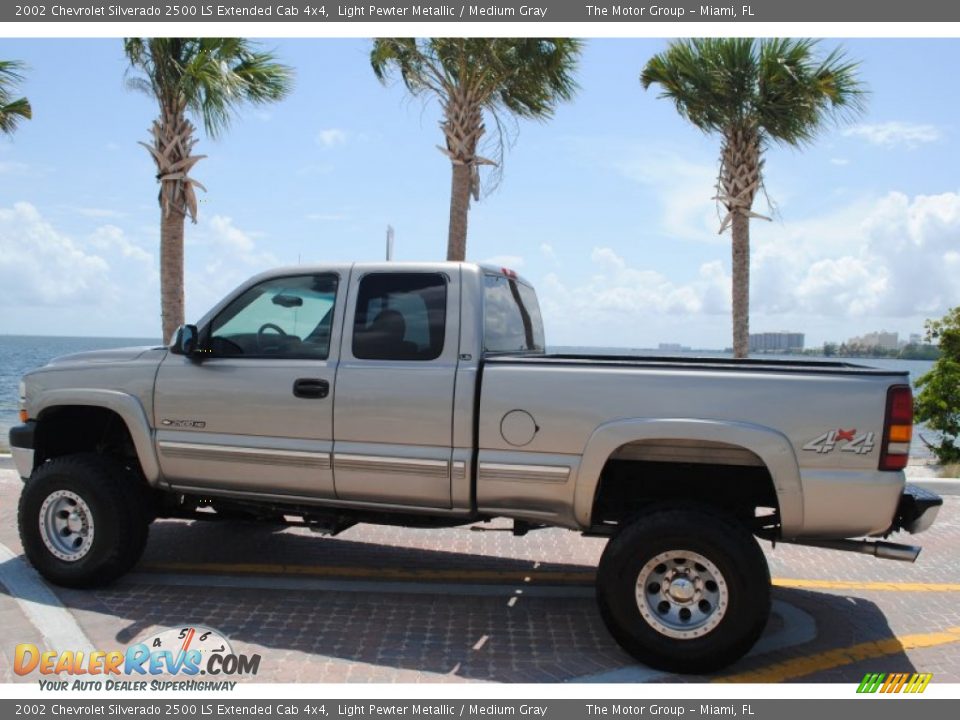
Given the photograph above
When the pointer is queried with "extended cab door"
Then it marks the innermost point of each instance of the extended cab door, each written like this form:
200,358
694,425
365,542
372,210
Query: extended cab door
393,409
256,415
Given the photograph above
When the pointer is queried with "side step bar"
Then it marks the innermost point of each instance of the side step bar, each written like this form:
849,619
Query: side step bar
878,548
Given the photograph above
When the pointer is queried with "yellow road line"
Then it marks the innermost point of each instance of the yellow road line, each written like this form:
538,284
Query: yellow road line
799,667
557,577
854,585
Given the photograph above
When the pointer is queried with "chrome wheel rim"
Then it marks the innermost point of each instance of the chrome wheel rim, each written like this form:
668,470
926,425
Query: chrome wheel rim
66,525
681,594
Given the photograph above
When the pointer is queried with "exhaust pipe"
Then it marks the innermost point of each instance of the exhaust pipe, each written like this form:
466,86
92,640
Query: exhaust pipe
878,548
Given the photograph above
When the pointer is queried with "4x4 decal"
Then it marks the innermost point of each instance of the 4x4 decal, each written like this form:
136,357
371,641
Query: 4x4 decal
860,444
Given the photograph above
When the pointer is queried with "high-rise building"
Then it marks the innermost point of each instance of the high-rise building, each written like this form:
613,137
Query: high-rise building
776,342
882,339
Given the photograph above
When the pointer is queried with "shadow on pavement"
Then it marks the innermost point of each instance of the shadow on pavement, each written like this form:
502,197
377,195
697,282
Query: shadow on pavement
313,635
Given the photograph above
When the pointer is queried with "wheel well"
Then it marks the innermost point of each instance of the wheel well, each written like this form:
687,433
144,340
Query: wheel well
726,477
71,429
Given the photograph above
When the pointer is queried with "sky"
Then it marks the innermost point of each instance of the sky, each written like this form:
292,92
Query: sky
606,208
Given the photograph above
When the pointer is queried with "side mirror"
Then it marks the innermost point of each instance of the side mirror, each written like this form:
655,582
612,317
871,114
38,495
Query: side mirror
185,342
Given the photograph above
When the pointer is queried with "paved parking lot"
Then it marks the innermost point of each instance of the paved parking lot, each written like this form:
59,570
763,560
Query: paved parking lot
473,605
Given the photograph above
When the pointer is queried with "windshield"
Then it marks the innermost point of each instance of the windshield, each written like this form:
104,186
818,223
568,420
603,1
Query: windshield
512,320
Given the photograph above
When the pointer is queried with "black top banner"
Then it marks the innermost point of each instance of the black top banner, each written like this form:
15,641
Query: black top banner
573,11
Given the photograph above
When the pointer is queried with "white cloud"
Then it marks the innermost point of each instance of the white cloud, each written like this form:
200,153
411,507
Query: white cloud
13,167
890,261
112,238
839,161
39,265
546,249
684,190
331,137
230,237
895,133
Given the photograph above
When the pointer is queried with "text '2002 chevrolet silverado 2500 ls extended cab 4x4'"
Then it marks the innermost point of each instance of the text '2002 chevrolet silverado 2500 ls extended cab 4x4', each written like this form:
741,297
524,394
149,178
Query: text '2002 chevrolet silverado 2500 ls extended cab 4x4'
421,394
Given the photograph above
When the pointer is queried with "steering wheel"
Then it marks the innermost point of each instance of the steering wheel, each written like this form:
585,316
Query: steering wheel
262,332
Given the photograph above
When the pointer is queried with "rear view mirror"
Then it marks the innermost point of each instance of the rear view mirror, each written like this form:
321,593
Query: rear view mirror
287,301
186,340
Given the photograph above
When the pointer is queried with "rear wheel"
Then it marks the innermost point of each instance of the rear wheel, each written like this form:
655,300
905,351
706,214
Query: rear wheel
684,590
83,519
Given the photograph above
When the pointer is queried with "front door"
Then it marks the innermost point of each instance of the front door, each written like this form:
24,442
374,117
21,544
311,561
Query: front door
256,415
394,398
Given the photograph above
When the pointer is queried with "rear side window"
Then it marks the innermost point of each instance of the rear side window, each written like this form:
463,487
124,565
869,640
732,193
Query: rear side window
400,316
511,316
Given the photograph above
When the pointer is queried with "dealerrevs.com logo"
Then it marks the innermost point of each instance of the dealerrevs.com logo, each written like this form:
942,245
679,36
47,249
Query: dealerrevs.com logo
185,651
894,682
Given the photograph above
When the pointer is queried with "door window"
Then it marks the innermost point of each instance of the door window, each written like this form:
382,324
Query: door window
400,316
288,317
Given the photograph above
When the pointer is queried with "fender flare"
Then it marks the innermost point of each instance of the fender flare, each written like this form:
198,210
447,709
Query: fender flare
771,446
126,406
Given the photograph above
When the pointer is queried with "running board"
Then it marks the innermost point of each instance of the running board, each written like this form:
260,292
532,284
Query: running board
879,548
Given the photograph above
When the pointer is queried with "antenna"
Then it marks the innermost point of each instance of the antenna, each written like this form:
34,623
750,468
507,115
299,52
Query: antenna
389,243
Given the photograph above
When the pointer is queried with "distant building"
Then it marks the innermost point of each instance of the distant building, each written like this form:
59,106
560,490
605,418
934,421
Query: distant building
881,339
915,339
772,342
672,347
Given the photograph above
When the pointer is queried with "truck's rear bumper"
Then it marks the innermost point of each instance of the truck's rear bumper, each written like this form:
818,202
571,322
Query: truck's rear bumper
21,447
917,509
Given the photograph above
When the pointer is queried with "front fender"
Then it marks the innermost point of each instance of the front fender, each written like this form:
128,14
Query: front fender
772,447
126,406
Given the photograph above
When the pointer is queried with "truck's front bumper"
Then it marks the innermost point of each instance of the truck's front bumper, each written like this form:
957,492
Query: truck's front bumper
917,509
21,447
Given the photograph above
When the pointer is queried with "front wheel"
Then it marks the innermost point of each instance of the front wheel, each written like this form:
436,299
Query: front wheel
684,590
83,519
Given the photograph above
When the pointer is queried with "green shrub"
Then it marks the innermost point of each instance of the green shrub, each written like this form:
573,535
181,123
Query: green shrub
938,400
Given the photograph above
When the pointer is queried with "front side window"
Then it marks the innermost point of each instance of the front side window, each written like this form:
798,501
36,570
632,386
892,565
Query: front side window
511,316
400,316
288,317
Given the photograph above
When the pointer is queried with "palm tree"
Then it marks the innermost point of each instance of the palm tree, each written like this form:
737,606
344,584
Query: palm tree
209,79
12,110
519,77
753,92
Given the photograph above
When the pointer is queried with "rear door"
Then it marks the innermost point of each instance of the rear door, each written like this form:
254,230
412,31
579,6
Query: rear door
393,409
256,415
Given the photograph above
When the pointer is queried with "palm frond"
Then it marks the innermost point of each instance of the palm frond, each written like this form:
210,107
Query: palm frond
209,77
12,109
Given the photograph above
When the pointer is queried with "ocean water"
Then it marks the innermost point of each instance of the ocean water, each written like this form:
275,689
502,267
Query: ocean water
21,353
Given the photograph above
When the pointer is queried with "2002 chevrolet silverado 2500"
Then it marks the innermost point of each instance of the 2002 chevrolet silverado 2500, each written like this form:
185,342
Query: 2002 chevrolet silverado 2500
421,395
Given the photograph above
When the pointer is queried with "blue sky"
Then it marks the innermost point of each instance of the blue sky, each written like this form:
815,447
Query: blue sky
606,208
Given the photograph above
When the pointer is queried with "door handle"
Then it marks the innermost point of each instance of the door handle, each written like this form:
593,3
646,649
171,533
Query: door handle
311,388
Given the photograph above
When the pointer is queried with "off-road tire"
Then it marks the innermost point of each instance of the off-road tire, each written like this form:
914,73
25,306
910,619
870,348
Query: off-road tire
731,550
117,499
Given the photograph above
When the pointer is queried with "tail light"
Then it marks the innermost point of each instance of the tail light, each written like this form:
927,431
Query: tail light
897,428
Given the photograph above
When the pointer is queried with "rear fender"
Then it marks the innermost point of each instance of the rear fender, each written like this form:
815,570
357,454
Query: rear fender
772,447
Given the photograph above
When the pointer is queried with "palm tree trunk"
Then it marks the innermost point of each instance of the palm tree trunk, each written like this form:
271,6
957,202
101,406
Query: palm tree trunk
741,171
740,230
171,272
459,210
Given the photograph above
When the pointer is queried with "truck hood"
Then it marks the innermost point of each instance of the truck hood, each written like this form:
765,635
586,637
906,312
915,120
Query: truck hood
103,356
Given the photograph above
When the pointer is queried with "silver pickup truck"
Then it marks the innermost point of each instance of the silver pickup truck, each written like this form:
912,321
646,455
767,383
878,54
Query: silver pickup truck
421,395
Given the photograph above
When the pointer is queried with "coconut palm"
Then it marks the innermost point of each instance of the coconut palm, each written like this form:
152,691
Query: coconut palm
753,93
208,79
502,77
12,110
